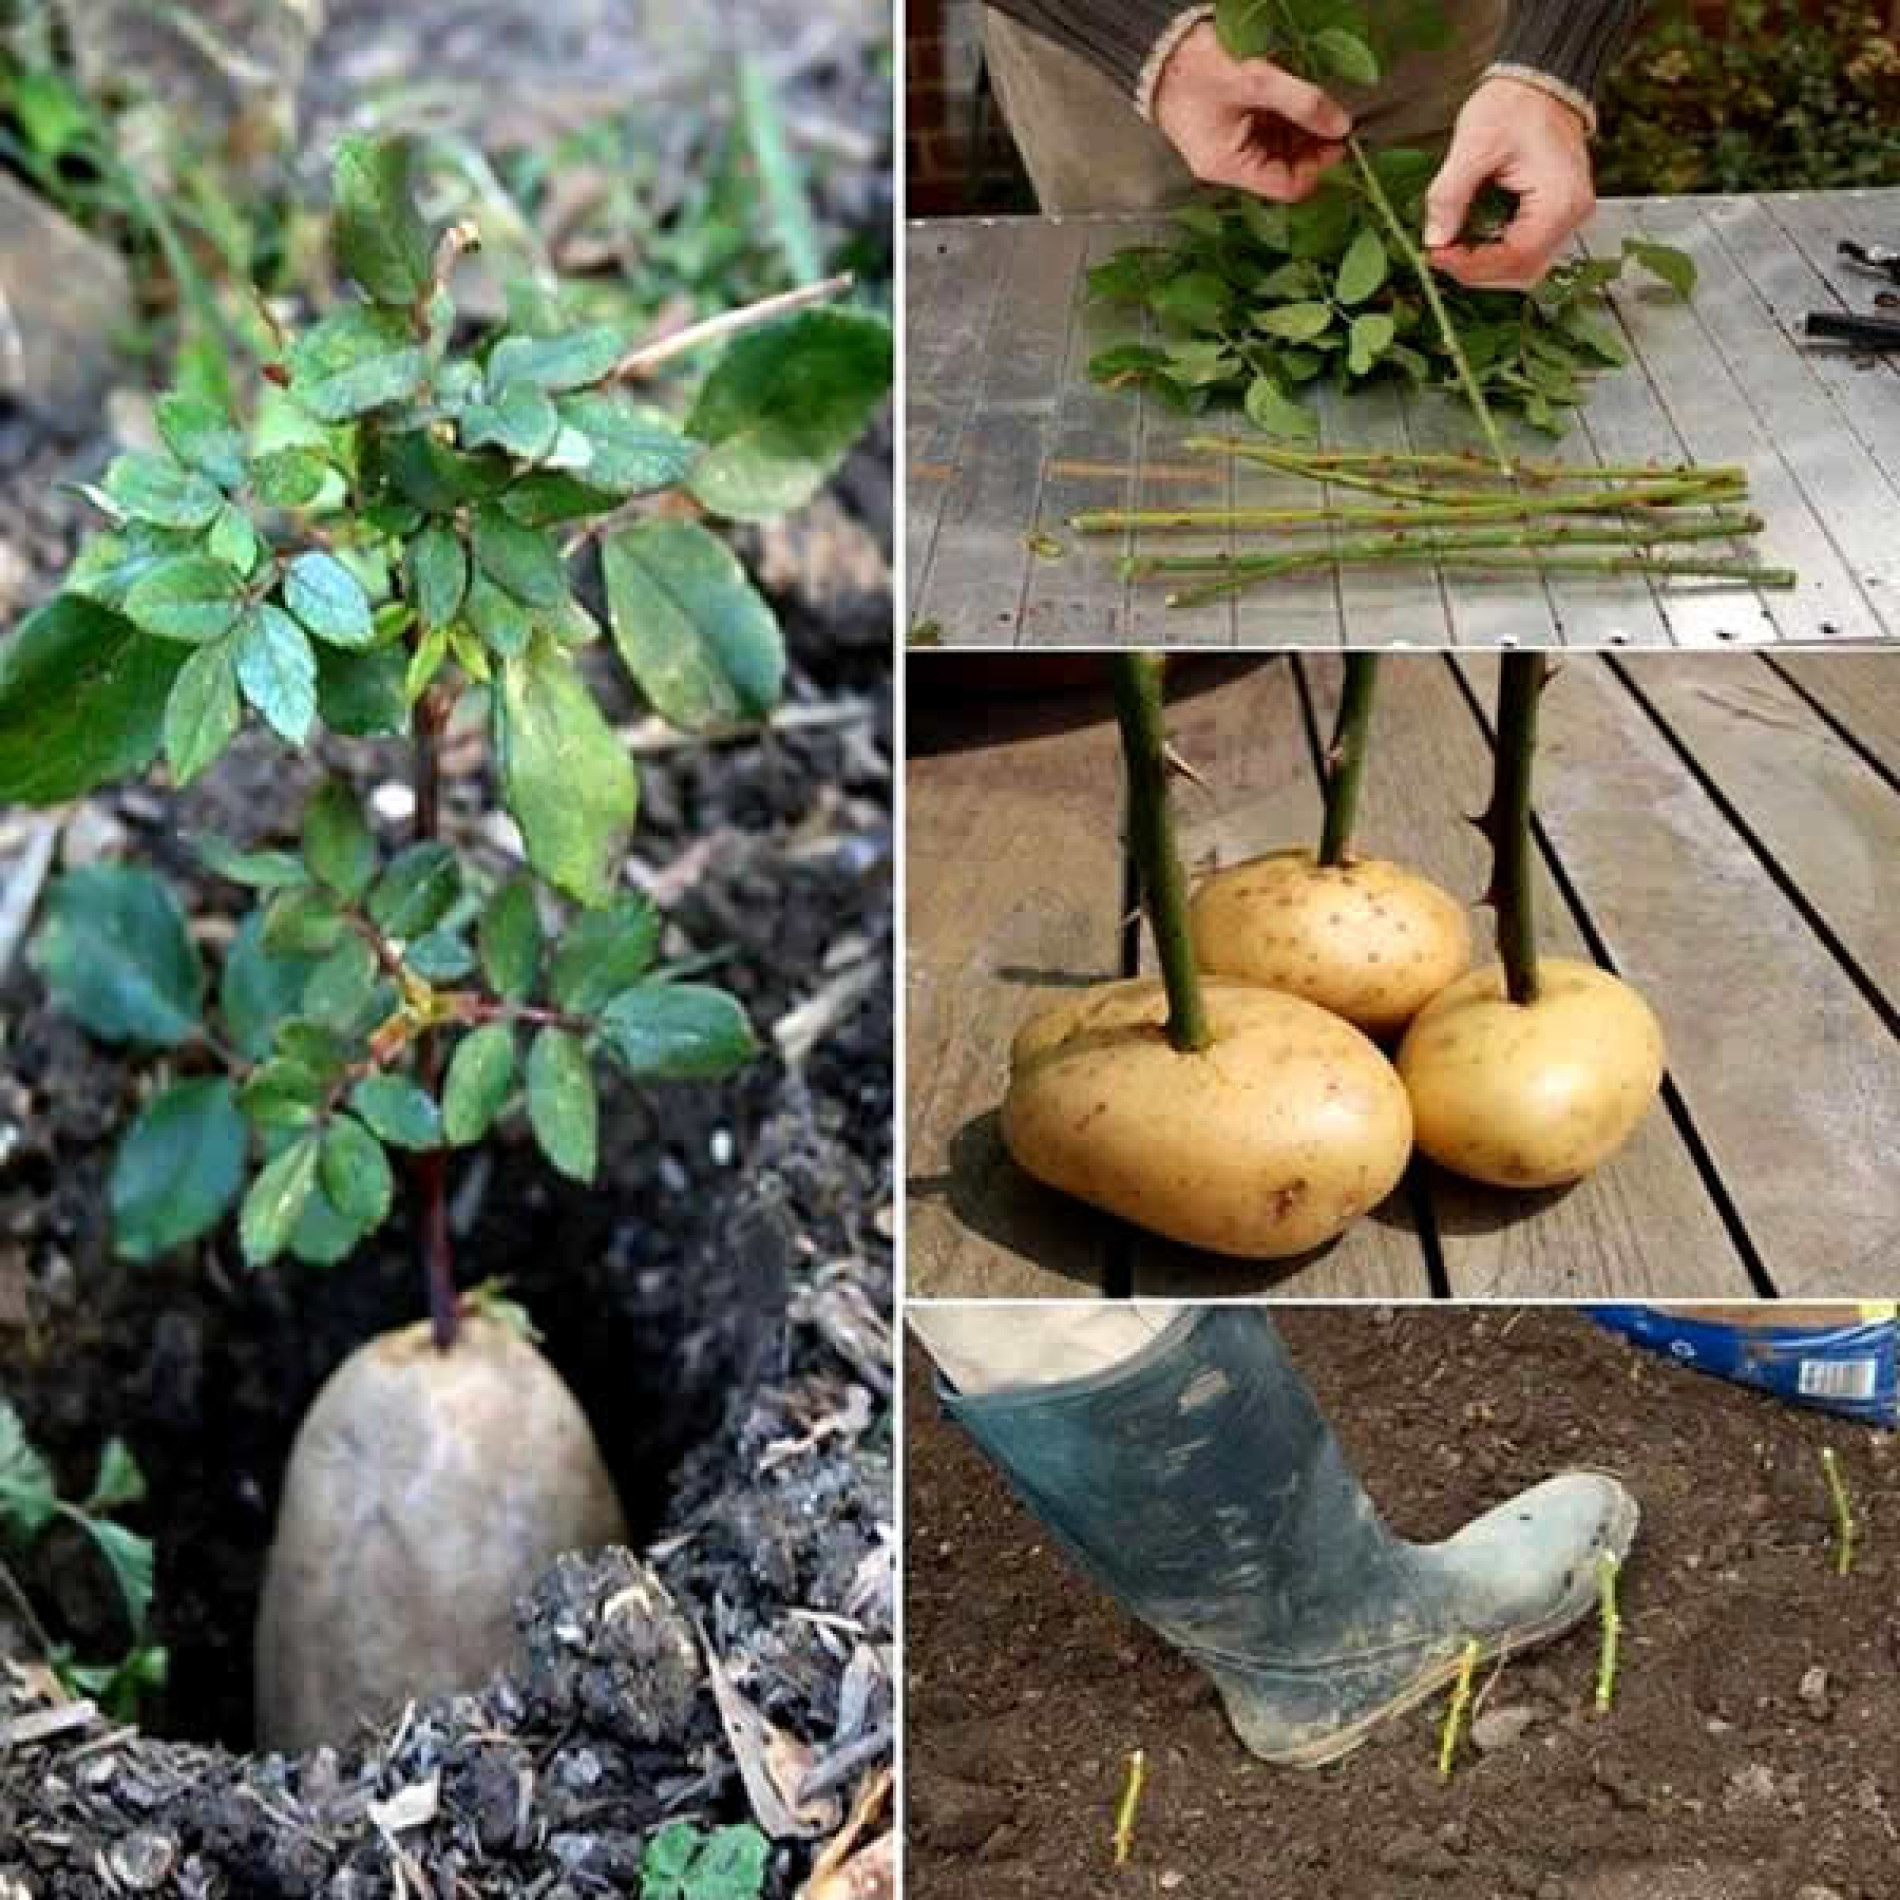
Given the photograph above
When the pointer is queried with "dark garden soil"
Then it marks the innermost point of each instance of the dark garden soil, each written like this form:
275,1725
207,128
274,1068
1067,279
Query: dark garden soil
1750,1754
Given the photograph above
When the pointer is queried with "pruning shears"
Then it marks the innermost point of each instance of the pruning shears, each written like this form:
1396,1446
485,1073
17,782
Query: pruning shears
1846,326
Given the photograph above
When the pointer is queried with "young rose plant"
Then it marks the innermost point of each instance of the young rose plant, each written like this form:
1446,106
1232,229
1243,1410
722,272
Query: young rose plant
388,548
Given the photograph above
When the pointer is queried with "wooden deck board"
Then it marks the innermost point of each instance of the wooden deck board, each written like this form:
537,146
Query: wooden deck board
1728,377
1715,832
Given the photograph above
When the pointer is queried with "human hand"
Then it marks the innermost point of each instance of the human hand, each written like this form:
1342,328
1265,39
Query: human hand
1537,148
1246,122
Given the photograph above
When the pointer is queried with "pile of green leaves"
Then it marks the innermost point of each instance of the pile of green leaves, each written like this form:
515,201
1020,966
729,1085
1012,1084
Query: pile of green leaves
382,550
31,1507
1258,302
1776,95
1263,303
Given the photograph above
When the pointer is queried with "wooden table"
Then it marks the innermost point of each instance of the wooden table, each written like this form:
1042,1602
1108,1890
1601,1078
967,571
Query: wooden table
1007,438
1724,831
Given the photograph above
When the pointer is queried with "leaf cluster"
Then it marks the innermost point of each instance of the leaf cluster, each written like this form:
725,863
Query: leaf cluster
30,1506
1262,304
681,1863
391,529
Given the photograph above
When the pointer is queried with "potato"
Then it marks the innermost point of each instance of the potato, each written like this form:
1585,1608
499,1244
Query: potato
426,1491
1289,1126
1534,1094
1371,941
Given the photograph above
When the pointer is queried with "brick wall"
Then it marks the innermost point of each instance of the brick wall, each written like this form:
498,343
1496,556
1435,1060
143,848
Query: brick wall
958,151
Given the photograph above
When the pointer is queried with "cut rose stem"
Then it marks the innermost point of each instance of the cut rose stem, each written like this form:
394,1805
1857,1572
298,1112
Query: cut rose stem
430,1171
1137,682
1450,509
1507,821
1346,756
1474,467
1488,564
1714,527
1447,330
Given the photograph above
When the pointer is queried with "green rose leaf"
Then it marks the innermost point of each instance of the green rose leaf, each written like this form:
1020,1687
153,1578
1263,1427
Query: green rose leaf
354,1173
416,892
1269,408
547,497
338,844
360,359
500,621
329,600
677,1032
278,672
258,870
1346,56
304,921
522,560
521,419
1248,29
480,1072
566,779
782,408
178,1169
202,711
1296,322
694,632
203,437
509,938
362,694
82,700
342,990
379,235
258,989
634,449
555,363
233,540
289,478
602,952
1676,268
116,955
397,1111
1363,269
322,1236
277,1200
562,1109
189,598
1371,336
151,487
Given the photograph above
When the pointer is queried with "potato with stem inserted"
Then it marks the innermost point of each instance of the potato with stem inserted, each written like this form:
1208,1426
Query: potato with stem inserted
1221,1114
1532,1071
1368,939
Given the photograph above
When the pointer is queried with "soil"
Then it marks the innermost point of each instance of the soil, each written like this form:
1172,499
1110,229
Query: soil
718,1301
1748,1756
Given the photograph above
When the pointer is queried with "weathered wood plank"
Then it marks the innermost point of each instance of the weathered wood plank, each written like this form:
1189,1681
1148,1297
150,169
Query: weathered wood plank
1859,690
1079,598
1828,820
1783,1066
1815,223
1722,399
1644,1224
1245,736
954,274
1013,891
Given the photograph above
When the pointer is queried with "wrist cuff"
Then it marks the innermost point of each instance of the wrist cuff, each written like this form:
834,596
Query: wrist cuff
1163,50
1549,83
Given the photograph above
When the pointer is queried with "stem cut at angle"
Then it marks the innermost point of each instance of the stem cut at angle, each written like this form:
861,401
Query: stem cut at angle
1366,938
1215,1112
1844,1527
1611,1621
1452,1729
1533,1070
1131,1800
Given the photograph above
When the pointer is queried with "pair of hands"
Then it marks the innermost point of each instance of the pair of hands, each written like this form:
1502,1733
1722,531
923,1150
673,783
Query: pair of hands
1250,124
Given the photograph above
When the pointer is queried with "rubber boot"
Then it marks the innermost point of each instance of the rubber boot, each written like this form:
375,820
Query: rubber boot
1198,1483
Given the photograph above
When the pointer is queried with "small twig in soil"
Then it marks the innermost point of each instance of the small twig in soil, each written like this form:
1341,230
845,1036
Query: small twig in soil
649,356
1131,1799
1843,1512
1448,1735
1607,1568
